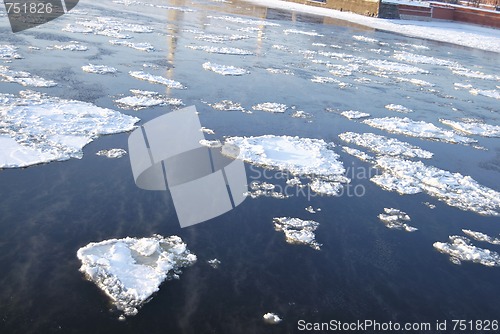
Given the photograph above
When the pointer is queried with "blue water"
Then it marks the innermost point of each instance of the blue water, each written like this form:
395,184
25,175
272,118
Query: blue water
363,271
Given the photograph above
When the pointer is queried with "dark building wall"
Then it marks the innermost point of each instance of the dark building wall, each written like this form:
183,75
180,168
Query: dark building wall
363,7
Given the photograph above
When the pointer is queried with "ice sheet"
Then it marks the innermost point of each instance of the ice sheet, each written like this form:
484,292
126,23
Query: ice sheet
461,249
144,99
224,69
24,78
156,79
396,219
474,128
99,69
298,231
221,50
114,153
479,236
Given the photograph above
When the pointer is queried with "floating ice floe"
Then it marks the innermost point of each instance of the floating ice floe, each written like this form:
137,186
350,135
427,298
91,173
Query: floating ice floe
73,28
114,153
280,47
310,209
419,129
207,130
227,105
221,50
36,128
396,219
429,205
394,67
357,153
264,189
24,78
298,231
241,20
211,143
131,270
325,187
486,92
398,108
156,79
301,32
384,145
465,72
224,69
145,99
421,59
461,249
365,39
474,128
220,38
463,192
416,82
353,114
270,107
271,318
415,46
294,181
99,69
481,237
148,47
322,80
9,52
74,46
301,114
214,263
280,71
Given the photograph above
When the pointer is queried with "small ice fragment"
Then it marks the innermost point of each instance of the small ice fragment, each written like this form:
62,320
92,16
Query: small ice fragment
75,46
482,237
354,114
207,130
474,128
327,188
214,263
211,143
99,69
227,105
224,69
298,231
156,79
395,219
114,153
24,78
398,108
302,32
270,107
301,114
272,318
461,249
148,47
310,209
221,50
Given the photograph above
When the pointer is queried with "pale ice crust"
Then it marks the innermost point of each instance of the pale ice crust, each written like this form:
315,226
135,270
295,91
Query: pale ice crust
24,78
396,219
114,153
99,69
461,249
298,231
130,270
36,128
224,69
156,79
474,128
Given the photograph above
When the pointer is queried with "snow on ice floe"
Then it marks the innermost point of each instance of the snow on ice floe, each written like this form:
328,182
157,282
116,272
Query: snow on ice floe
211,143
461,249
144,99
156,79
421,59
384,145
301,32
144,46
495,94
36,128
272,107
325,187
354,114
301,114
479,236
227,105
396,219
240,20
99,69
114,153
299,156
279,71
393,67
9,52
221,50
357,153
214,263
310,209
474,128
455,189
224,69
468,73
220,38
73,46
264,189
24,78
398,108
107,26
419,129
271,318
298,231
131,270
328,80
416,82
365,39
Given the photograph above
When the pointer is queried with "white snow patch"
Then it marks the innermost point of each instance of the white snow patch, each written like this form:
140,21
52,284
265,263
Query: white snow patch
24,78
227,105
145,46
298,231
398,108
114,153
99,69
395,219
224,69
221,50
271,318
474,128
156,79
270,107
354,114
461,249
131,270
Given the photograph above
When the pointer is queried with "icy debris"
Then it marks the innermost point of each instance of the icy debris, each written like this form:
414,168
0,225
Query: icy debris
320,79
301,114
221,38
429,205
481,237
357,153
384,145
211,143
419,129
280,47
310,209
421,59
294,181
454,189
474,128
280,71
270,107
365,39
485,92
156,79
395,219
143,99
99,69
24,78
221,50
299,156
77,29
271,318
319,44
298,231
36,128
458,85
148,47
461,249
224,69
264,189
227,105
214,263
342,70
207,130
74,46
416,82
301,32
241,20
353,114
114,153
398,108
465,72
415,46
131,270
323,187
394,67
9,52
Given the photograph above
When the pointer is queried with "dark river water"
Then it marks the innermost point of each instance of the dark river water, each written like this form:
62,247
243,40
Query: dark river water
363,271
